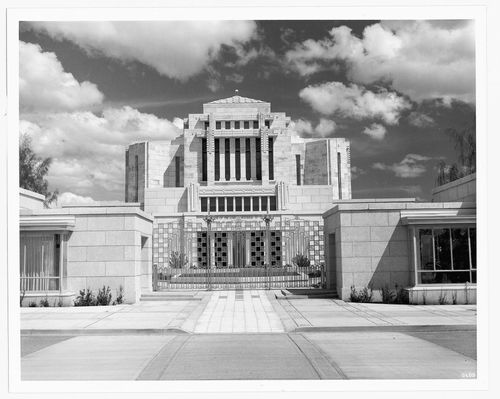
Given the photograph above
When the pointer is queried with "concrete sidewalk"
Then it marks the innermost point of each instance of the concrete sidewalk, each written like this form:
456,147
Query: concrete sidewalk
255,311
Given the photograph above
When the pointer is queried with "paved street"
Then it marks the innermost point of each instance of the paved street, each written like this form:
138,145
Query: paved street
248,335
323,355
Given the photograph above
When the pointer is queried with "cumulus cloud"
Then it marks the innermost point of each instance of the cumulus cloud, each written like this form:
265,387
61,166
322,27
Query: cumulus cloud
45,86
421,59
305,128
356,171
177,49
353,101
88,150
375,131
68,198
411,166
420,120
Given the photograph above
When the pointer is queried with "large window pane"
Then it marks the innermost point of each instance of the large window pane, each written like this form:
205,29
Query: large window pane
426,257
442,249
460,242
445,277
472,235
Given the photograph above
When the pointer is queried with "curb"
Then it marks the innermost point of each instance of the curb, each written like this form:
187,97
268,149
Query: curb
108,331
405,328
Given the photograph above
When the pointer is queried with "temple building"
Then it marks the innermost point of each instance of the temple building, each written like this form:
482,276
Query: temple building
238,160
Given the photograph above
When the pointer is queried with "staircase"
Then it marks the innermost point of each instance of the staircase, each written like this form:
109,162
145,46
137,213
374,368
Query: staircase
171,296
304,293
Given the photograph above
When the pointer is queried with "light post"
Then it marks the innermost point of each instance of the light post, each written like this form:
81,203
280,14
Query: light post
267,219
209,219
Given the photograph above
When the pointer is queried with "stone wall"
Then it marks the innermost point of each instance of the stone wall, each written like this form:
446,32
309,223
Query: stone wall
111,246
463,189
316,162
166,200
29,200
372,246
135,172
310,198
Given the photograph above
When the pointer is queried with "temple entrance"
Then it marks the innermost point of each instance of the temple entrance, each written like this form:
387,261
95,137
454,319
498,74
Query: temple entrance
238,254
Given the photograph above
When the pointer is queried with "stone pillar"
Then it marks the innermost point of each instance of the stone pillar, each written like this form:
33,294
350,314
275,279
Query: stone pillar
222,159
229,248
232,159
264,154
243,159
253,158
247,248
210,150
193,197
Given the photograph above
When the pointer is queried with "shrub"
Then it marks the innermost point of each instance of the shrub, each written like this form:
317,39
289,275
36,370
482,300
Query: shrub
119,296
44,303
365,295
177,260
103,297
86,298
402,295
454,297
442,298
301,261
388,296
32,304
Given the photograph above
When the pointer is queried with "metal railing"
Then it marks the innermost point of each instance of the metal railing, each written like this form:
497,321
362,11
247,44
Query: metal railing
166,278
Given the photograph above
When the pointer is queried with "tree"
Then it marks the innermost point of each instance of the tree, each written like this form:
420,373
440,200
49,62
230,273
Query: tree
32,171
465,144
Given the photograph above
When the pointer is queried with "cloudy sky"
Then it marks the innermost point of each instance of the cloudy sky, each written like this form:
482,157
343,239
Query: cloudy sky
88,89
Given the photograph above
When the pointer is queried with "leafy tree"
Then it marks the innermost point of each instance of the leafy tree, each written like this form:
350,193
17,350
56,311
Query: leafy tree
32,171
465,144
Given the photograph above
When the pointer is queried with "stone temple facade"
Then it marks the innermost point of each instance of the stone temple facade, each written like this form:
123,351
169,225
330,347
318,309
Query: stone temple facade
238,161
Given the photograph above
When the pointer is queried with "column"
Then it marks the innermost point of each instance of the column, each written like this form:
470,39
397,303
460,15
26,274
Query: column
253,157
222,159
247,248
230,248
264,155
210,150
232,159
243,158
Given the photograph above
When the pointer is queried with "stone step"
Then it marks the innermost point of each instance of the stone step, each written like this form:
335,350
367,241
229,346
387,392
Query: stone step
296,293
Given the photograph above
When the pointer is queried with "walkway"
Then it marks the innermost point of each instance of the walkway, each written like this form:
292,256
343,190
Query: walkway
240,312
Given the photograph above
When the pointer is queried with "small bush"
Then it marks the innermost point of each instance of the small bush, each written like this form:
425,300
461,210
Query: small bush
388,296
177,260
402,295
23,294
442,298
301,261
32,304
103,297
365,295
454,297
44,303
119,296
86,298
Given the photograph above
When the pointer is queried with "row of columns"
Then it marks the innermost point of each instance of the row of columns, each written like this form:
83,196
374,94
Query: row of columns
264,156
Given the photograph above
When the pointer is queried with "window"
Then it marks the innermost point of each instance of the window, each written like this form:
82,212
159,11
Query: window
207,125
255,124
213,204
221,207
218,125
177,171
230,207
255,203
297,168
263,203
246,125
446,255
258,159
246,203
217,159
267,123
238,203
237,159
204,207
237,124
339,168
227,160
272,203
40,257
271,159
248,160
203,159
227,125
